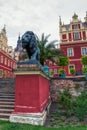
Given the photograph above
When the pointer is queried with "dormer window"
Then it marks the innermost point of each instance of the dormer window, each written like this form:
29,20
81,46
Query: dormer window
75,26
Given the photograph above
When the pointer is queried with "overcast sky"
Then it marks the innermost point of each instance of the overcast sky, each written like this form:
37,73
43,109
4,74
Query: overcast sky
39,16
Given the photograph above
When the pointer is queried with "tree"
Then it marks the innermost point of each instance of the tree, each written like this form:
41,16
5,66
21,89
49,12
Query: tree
84,60
84,70
47,49
63,61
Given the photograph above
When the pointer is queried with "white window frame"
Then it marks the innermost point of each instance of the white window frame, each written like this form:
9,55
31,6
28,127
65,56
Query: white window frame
76,35
8,62
69,67
76,26
5,61
55,71
1,73
82,51
2,58
68,53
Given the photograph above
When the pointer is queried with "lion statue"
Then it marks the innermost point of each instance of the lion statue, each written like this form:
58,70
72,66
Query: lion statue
29,43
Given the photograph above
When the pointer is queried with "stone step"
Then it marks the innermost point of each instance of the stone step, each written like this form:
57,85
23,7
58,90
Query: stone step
4,99
8,94
4,106
7,103
7,97
4,119
5,115
6,111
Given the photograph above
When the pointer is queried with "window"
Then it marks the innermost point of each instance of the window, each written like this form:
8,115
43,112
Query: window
11,64
71,66
50,62
64,36
84,51
1,59
5,61
76,35
8,63
70,52
0,73
75,26
55,71
51,72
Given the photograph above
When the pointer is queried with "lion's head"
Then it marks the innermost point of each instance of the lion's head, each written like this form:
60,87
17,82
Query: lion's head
28,40
30,44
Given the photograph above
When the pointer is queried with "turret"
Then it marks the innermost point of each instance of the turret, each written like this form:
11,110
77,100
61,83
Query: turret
85,17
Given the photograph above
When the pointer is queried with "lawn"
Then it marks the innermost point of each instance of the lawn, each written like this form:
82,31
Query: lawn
6,125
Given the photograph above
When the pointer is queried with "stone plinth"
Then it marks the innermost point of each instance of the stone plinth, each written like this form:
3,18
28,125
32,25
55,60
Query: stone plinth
31,95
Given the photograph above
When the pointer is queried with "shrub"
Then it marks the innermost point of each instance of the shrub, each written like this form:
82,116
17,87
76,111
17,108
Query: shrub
84,70
72,71
51,72
65,100
80,106
61,71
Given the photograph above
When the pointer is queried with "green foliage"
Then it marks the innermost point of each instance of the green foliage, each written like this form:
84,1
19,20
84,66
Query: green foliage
84,60
47,49
51,73
65,100
63,61
72,71
80,106
61,71
84,70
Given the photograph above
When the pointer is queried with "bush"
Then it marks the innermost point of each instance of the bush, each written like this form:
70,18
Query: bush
72,71
61,71
80,106
65,100
84,70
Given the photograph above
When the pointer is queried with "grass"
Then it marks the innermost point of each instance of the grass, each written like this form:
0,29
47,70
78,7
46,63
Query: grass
6,125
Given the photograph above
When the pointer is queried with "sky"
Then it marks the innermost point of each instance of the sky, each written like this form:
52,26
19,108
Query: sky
39,16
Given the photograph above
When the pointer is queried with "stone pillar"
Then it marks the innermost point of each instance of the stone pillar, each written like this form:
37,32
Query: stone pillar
31,95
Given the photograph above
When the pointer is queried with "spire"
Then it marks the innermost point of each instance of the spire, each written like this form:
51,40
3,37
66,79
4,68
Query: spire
75,16
19,40
85,17
4,30
60,23
19,45
86,13
19,37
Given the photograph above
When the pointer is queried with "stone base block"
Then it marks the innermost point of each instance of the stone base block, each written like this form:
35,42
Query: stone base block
29,118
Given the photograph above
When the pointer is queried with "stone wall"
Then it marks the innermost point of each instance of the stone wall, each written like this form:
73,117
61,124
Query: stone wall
75,87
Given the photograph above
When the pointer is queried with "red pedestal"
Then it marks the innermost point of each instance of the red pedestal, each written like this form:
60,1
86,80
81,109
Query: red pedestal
31,96
32,93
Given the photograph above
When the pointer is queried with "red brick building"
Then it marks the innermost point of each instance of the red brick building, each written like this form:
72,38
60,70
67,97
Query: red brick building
7,61
73,42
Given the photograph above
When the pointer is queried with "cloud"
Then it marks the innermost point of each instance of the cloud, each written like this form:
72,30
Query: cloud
37,15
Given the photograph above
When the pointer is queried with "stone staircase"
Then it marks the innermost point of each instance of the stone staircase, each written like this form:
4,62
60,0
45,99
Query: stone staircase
6,98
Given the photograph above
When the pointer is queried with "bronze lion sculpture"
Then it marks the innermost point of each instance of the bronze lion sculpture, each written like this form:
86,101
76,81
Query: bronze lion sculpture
29,43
